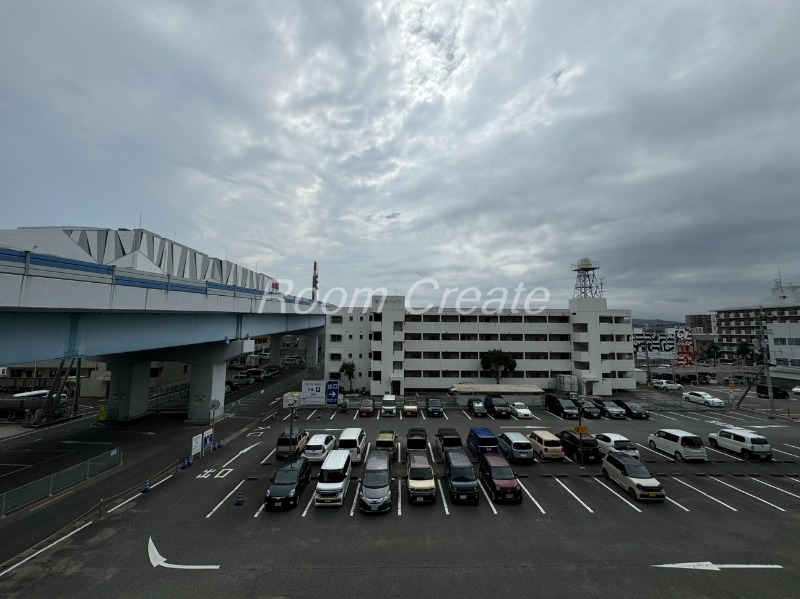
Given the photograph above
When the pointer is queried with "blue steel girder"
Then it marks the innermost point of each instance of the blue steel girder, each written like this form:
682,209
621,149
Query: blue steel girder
29,336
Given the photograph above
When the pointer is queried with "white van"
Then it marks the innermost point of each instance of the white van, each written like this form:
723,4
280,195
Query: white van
353,440
678,443
334,479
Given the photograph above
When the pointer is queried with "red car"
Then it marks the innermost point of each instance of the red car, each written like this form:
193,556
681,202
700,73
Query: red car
367,408
499,478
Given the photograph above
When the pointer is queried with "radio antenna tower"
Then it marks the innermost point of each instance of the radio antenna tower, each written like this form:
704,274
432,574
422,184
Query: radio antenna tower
586,283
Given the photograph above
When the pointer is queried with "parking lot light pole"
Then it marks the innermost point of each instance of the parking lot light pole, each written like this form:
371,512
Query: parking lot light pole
291,427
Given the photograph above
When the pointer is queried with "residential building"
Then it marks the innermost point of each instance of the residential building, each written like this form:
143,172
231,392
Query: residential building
699,321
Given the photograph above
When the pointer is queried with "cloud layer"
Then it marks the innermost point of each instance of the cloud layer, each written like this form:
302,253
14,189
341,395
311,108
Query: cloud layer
478,143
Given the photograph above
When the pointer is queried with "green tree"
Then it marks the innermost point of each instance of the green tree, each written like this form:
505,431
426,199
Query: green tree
498,363
744,350
713,351
348,369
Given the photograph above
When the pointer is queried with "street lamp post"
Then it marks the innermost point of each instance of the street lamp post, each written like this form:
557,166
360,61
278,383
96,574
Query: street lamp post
291,427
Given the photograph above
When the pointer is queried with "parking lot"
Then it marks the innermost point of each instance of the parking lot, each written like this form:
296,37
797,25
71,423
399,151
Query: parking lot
574,530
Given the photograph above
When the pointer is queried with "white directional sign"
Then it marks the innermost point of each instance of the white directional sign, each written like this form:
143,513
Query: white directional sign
715,567
159,560
313,394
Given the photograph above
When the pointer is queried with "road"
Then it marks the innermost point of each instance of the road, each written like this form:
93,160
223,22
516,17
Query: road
733,522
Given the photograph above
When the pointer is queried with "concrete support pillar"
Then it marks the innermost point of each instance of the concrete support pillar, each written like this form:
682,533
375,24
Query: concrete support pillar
275,348
128,390
208,383
314,346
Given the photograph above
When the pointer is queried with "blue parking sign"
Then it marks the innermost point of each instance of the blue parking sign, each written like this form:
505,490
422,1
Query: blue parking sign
332,393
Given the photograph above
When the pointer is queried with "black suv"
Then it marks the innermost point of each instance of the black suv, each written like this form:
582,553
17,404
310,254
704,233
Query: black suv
560,406
632,409
288,484
433,407
572,447
497,406
586,408
476,407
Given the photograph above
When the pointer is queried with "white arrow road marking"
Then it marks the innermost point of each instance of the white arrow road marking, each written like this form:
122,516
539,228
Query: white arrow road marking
159,560
715,567
245,450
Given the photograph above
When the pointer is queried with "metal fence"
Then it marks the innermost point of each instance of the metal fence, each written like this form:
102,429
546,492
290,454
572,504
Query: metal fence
32,492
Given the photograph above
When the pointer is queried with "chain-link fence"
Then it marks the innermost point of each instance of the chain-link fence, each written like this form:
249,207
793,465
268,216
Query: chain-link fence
265,392
32,492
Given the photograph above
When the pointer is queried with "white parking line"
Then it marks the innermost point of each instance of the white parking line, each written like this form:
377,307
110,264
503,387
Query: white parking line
685,509
378,415
662,416
685,416
308,505
445,415
535,416
43,549
422,414
400,413
311,414
677,480
554,416
575,496
355,499
444,502
524,488
658,453
490,416
488,498
224,499
467,415
613,492
332,415
746,493
399,494
790,445
260,509
776,488
287,416
786,452
355,415
268,456
727,455
430,449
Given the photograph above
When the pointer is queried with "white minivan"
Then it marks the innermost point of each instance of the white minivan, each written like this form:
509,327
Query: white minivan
678,443
353,440
334,479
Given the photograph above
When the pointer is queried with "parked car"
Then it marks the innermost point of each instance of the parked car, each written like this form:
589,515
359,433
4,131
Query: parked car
560,406
271,371
447,439
230,385
520,410
680,444
421,481
515,446
367,408
632,409
291,442
387,441
416,439
389,406
614,442
460,480
574,446
742,441
476,407
255,373
500,480
706,399
587,409
375,490
287,485
433,406
633,476
796,390
609,409
242,380
319,446
497,406
664,385
410,407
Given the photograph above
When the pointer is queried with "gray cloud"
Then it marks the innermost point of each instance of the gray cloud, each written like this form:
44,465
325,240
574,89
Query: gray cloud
481,144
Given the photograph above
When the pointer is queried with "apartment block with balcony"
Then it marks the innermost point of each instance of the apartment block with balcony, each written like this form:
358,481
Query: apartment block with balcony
347,340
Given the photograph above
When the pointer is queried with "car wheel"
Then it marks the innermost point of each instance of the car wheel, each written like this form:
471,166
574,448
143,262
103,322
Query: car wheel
746,454
541,456
652,444
605,473
632,493
707,404
678,456
713,442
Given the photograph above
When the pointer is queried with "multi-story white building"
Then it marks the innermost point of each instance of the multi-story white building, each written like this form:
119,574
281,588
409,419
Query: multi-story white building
399,349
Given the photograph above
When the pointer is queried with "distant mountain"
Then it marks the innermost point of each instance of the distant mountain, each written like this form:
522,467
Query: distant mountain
657,322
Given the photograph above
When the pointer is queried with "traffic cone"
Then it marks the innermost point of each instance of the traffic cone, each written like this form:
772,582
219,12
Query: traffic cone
185,464
146,487
240,499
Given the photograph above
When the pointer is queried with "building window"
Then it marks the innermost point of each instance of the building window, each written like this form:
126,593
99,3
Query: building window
430,355
430,318
351,319
413,373
397,365
430,336
413,355
431,374
397,346
350,337
377,336
336,320
336,357
349,356
509,318
398,326
336,338
377,317
334,376
376,355
413,336
376,376
413,317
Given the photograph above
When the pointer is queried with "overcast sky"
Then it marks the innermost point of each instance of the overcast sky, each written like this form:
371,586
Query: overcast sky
478,143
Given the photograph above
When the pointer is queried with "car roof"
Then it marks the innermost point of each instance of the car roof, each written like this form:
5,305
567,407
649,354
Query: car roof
294,463
624,457
448,431
515,436
419,458
350,433
482,431
416,432
677,431
319,438
494,459
615,436
741,431
458,457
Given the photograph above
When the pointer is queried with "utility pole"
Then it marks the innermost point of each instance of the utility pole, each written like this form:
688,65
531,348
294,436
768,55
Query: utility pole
765,356
647,355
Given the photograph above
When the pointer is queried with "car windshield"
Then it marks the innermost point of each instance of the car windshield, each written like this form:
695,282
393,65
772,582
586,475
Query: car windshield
520,406
367,403
330,476
462,475
692,441
589,405
477,404
638,471
434,402
285,477
410,402
634,406
502,473
284,441
376,479
388,403
500,403
347,444
420,474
